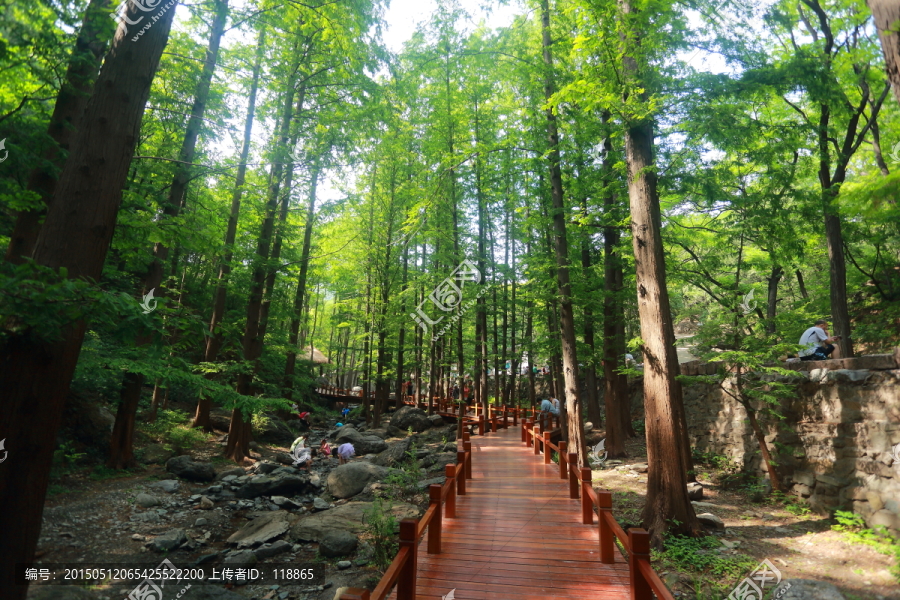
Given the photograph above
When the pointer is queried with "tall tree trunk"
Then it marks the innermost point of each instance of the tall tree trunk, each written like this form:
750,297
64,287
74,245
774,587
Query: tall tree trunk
35,374
73,97
301,284
772,298
121,447
238,447
214,339
590,371
887,14
803,293
401,336
668,507
566,314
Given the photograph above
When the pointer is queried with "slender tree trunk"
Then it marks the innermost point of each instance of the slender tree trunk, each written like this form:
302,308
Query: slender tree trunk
401,336
291,363
35,374
772,298
668,507
84,64
214,339
887,14
801,285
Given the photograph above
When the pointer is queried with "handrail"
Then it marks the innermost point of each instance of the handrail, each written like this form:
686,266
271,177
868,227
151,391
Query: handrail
645,582
402,570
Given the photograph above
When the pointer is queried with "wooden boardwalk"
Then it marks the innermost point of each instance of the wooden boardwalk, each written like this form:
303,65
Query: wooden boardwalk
518,535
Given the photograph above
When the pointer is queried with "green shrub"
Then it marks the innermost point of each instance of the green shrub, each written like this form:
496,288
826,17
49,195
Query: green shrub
173,429
382,528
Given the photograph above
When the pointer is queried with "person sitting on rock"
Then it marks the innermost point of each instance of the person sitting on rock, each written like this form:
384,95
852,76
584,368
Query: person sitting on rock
816,343
300,453
325,448
346,452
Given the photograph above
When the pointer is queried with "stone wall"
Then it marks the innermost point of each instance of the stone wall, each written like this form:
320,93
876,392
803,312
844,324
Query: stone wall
835,442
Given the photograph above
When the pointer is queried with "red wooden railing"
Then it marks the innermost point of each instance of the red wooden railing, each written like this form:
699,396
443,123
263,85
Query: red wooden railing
644,580
442,499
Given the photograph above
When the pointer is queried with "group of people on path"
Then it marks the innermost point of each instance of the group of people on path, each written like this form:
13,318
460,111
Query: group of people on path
303,454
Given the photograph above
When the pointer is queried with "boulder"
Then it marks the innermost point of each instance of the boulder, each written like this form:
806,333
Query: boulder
235,472
262,529
350,479
185,467
349,517
155,454
146,501
337,543
436,420
274,431
280,485
394,455
363,444
167,485
240,560
711,520
410,416
275,548
808,589
264,467
435,462
168,541
695,491
320,504
220,421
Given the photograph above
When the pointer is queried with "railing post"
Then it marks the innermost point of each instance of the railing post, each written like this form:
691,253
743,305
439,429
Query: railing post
607,557
461,478
465,436
406,582
467,446
355,594
434,528
563,459
547,452
515,413
573,475
524,432
493,424
505,417
450,503
639,541
587,505
481,424
537,446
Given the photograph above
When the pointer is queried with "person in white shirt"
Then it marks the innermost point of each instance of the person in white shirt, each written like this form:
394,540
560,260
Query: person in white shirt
816,343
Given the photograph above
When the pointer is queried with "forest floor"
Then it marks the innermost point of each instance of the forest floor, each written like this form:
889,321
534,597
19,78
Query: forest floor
90,512
802,545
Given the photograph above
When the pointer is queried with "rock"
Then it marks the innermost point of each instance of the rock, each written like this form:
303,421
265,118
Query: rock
703,505
695,491
394,432
146,500
60,592
394,455
168,541
344,564
337,543
206,503
264,467
363,444
423,485
201,522
808,589
337,593
319,504
167,485
233,473
437,461
151,516
269,550
155,454
241,560
436,420
884,518
639,468
184,467
262,529
711,520
263,485
348,517
588,427
350,479
409,416
274,431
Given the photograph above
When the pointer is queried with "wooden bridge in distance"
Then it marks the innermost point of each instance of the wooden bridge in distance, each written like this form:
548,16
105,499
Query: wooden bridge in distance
508,524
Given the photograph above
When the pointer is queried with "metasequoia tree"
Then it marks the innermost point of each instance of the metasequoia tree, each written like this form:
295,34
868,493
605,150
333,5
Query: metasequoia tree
35,373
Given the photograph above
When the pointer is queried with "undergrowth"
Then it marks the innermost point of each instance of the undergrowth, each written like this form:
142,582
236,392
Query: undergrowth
853,526
381,528
714,573
172,428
